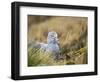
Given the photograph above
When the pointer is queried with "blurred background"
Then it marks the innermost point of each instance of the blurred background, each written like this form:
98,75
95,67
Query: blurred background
72,34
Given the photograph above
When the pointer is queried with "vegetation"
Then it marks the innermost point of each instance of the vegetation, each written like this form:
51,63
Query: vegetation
39,58
72,34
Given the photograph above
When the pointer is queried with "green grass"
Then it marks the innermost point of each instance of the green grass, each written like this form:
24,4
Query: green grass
39,58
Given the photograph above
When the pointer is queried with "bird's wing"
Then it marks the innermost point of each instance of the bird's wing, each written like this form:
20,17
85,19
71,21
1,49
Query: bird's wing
35,44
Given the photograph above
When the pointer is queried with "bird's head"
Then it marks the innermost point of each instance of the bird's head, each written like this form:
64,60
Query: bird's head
52,37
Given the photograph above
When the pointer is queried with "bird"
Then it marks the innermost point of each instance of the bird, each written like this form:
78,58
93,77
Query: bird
52,45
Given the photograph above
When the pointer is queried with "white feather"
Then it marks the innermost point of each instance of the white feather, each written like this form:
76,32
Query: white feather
52,44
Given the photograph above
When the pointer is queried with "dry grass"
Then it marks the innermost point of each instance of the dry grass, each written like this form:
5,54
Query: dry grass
72,33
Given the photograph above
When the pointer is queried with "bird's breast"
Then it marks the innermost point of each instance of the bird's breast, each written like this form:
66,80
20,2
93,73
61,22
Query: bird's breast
53,48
